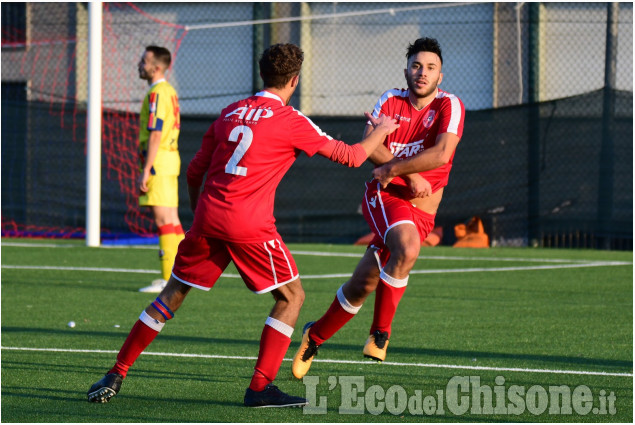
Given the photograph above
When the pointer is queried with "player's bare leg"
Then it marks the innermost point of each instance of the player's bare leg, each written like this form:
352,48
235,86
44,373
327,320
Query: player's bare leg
346,304
274,342
142,334
364,279
172,295
404,245
289,299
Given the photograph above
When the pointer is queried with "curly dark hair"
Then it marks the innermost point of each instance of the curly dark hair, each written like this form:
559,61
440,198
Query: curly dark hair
279,63
161,55
424,45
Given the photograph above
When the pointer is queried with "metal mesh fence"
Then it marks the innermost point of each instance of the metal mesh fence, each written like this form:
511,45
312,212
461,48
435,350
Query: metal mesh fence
546,157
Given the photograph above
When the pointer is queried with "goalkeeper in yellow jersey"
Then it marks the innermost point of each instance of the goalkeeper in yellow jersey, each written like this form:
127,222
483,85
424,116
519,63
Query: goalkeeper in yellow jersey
159,128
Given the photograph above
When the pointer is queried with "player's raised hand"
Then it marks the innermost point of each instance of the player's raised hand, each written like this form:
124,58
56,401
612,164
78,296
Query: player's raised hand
384,121
371,119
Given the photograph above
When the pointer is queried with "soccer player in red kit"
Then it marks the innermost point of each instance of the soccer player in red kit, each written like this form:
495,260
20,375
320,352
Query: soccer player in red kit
245,154
399,204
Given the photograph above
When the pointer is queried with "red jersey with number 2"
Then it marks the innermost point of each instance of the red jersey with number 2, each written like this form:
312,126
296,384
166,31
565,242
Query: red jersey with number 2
245,153
418,130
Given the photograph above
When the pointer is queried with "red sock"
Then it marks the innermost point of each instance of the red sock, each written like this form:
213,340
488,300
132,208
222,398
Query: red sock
166,229
178,229
338,314
139,338
274,342
387,299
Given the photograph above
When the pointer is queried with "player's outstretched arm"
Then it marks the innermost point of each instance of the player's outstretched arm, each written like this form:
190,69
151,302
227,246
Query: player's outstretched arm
355,155
381,155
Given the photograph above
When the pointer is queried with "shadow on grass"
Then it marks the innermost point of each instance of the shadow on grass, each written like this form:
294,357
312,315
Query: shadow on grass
423,353
74,404
96,372
135,408
120,335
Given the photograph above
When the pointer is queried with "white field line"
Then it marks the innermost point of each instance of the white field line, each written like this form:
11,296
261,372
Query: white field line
337,275
354,362
325,254
559,263
78,269
451,258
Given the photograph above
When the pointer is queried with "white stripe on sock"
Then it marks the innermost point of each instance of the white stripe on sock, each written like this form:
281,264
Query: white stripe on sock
151,322
347,306
281,327
392,281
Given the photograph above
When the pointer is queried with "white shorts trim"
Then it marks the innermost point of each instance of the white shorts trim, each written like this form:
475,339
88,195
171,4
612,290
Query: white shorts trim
372,217
277,285
397,224
264,291
375,248
273,267
193,285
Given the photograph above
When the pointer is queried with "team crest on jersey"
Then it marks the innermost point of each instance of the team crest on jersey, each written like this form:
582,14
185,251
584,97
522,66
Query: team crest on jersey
373,201
405,150
429,118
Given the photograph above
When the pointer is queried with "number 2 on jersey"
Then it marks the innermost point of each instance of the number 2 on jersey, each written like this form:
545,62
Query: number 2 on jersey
248,135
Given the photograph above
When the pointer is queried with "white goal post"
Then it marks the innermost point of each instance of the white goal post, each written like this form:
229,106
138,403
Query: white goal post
93,127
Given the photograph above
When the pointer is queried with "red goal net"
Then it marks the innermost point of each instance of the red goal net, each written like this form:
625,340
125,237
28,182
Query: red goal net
44,96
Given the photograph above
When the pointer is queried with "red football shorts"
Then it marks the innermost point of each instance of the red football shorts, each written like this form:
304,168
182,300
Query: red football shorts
264,266
386,208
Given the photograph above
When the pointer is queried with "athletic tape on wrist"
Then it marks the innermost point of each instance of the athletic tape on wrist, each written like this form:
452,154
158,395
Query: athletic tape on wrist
281,327
163,309
392,281
347,306
151,322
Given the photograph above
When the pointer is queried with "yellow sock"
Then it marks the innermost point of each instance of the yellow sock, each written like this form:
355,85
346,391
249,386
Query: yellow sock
167,249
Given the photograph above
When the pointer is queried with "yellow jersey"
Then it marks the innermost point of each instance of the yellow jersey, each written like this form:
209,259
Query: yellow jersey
160,112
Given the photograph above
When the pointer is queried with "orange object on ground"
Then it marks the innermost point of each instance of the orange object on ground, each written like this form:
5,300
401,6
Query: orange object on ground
471,235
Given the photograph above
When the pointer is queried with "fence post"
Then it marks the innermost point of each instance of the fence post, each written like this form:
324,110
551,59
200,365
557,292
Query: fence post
258,44
533,149
605,186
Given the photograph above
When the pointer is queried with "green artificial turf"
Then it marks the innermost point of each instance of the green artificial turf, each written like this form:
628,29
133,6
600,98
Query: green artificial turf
504,319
